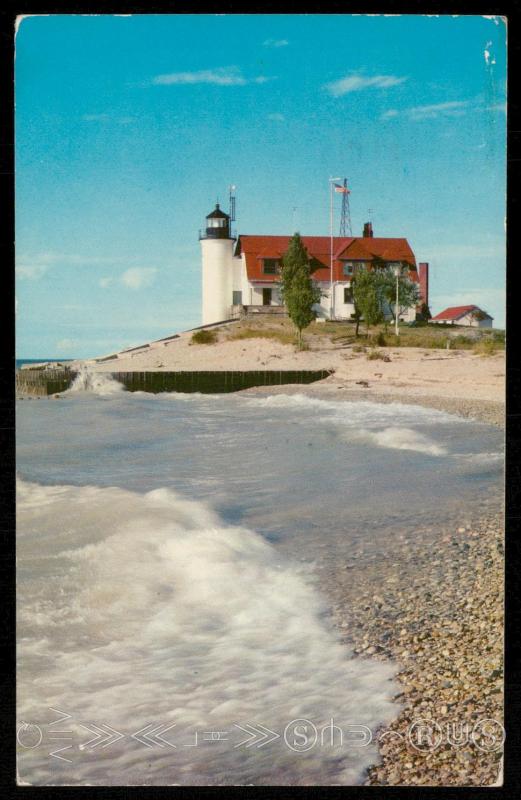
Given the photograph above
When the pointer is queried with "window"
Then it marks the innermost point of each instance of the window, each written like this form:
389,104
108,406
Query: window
270,266
348,295
216,222
348,267
237,299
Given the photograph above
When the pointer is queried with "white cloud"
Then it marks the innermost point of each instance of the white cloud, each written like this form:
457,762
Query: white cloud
392,112
105,282
450,108
31,272
276,117
96,117
138,277
125,120
355,83
66,345
220,76
51,258
497,107
275,43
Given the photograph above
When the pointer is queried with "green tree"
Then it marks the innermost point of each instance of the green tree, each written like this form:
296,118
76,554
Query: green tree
366,287
408,291
425,312
298,292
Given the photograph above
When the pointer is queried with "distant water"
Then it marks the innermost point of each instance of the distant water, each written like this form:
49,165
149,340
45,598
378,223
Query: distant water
20,361
152,590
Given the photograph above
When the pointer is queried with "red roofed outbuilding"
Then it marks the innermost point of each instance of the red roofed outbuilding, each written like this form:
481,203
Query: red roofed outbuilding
471,316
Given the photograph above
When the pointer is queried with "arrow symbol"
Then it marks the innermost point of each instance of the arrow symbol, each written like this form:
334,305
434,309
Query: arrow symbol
150,737
64,716
268,739
102,735
255,731
55,754
160,735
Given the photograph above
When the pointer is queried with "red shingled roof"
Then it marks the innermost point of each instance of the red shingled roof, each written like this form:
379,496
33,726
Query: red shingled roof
454,312
257,248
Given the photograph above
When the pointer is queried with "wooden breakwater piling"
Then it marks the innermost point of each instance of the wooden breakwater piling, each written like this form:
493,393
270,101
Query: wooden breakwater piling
47,382
43,381
214,382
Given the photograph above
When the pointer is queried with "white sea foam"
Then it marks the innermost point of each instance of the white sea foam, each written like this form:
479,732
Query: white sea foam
369,421
140,610
353,412
100,383
406,439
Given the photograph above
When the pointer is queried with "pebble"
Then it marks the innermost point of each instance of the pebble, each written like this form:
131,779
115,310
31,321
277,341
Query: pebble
446,635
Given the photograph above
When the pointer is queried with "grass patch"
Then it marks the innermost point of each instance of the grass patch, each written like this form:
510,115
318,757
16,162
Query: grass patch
375,354
204,336
285,337
488,347
431,336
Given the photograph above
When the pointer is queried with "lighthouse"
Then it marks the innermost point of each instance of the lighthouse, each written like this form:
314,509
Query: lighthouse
217,255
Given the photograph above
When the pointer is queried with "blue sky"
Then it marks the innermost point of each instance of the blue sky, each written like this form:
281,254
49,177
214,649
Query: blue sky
129,128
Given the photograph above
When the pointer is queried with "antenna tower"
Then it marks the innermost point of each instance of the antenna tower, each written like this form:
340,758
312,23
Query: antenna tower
345,218
232,203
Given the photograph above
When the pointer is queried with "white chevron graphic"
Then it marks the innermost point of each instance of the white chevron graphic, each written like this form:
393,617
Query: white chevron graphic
62,758
253,732
103,734
64,716
150,736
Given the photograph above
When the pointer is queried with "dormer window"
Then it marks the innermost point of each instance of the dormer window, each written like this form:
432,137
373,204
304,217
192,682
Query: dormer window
348,268
270,266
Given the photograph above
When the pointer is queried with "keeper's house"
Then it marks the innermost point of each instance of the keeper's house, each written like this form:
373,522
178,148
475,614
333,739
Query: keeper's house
472,316
240,274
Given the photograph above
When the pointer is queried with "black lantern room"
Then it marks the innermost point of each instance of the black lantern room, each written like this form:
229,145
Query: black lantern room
217,224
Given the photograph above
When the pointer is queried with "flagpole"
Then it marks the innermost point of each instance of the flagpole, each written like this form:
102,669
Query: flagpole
331,303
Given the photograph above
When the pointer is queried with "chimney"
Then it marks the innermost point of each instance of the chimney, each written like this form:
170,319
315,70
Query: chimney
368,230
423,270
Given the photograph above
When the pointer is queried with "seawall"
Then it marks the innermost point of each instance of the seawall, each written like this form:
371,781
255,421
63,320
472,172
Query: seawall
48,382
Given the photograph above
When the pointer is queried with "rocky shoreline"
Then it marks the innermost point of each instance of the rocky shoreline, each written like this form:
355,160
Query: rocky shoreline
492,412
432,603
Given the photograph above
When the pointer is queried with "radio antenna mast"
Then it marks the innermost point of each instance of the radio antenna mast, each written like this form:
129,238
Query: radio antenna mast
345,217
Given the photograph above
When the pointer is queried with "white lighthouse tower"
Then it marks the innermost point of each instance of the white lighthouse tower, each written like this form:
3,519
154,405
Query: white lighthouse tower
217,257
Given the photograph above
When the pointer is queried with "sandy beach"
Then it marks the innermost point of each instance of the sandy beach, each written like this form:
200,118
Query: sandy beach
458,381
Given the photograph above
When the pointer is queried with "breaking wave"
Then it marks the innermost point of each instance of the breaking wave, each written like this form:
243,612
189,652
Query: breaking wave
354,412
100,383
147,612
406,439
370,421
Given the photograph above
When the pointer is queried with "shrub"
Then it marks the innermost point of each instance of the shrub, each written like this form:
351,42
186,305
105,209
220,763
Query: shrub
374,354
204,336
359,348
